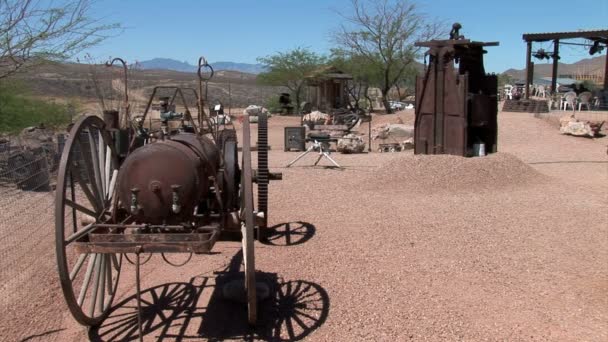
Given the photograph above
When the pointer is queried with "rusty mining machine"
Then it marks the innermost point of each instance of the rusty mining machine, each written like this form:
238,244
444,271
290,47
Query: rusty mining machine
124,190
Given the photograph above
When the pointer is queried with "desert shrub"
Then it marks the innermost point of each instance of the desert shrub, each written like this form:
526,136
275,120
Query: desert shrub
273,105
19,110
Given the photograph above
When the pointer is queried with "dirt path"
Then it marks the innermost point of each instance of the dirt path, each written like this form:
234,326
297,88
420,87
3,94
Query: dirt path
527,262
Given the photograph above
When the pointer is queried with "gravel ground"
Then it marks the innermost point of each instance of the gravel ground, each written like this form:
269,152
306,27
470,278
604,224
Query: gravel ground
393,247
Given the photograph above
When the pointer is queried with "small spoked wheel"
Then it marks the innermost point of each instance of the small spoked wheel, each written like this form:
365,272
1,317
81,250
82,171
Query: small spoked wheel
85,193
247,224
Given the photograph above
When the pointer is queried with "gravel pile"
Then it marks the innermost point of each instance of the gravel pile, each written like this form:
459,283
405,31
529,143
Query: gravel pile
447,173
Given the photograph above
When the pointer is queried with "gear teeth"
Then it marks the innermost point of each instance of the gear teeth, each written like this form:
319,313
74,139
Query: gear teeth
263,171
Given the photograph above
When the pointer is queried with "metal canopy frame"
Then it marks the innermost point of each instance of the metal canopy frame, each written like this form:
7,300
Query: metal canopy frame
594,35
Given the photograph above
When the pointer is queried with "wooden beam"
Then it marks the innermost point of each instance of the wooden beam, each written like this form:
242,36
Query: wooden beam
528,60
539,37
606,74
555,61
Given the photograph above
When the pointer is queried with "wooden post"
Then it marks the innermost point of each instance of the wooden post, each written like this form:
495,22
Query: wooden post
528,60
606,74
555,61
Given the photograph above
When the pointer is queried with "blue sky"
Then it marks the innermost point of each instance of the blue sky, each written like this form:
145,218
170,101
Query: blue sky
242,30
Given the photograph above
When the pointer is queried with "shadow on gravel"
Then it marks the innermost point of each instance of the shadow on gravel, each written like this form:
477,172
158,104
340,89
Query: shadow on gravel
44,334
289,233
198,310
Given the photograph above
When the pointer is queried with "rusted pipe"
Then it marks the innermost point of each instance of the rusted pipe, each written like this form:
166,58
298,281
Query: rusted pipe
202,63
126,77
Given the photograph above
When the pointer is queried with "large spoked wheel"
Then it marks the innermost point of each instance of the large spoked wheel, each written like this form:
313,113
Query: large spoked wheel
247,224
85,193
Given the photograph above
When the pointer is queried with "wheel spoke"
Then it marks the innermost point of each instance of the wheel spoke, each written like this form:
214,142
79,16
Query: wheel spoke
108,173
85,189
87,229
81,208
78,266
101,153
87,279
95,286
115,262
112,184
95,160
89,171
109,275
73,197
102,284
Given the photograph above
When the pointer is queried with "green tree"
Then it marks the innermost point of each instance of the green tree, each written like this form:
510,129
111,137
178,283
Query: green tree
384,33
32,32
290,69
503,79
18,109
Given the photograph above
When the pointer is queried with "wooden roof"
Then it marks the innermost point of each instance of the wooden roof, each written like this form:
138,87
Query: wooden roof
601,35
329,72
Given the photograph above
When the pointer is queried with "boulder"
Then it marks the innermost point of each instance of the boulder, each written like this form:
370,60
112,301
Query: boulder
350,143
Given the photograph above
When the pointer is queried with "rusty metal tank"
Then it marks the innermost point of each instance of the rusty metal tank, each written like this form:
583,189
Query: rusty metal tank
162,182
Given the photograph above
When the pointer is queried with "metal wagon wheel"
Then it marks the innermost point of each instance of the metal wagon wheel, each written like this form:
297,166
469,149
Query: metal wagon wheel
85,192
247,224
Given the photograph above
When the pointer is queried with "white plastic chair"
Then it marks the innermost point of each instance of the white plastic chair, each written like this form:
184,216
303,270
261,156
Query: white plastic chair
509,91
584,98
541,91
569,99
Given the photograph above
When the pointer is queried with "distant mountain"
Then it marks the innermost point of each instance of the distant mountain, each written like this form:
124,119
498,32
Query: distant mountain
587,66
242,67
172,64
167,64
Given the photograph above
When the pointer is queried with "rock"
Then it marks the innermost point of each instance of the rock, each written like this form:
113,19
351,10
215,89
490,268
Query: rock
315,118
408,144
351,143
387,131
571,125
35,137
254,110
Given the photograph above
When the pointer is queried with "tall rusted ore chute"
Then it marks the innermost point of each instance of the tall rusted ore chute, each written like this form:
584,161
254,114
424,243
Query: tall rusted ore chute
456,108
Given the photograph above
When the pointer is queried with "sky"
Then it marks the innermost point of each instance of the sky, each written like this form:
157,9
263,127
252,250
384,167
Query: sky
243,30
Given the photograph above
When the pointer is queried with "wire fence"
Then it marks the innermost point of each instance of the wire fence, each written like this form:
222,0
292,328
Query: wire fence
29,286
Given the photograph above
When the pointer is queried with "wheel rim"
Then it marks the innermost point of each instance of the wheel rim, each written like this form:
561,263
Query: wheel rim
85,192
247,225
231,177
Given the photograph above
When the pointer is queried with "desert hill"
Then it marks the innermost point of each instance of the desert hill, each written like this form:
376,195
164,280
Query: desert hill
75,80
594,65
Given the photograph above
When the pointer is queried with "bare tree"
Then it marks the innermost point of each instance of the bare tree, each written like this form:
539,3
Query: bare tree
384,32
34,31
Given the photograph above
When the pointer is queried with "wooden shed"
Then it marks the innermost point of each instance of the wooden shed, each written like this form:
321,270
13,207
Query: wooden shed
326,88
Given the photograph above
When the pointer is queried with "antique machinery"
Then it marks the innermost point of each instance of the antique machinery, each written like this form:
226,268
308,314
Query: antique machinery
177,189
456,108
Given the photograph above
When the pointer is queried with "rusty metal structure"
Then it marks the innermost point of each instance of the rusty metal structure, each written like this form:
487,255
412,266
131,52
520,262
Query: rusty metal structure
456,107
124,192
